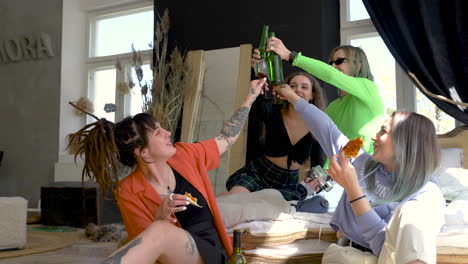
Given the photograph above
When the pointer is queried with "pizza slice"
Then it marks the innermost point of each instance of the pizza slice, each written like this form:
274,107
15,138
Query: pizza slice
192,199
351,149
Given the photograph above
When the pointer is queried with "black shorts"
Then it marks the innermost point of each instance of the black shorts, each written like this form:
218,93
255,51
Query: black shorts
208,244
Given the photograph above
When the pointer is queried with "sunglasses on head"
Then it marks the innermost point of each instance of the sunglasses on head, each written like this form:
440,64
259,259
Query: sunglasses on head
337,61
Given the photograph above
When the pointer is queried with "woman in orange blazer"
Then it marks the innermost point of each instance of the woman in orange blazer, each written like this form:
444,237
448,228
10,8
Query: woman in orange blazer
162,225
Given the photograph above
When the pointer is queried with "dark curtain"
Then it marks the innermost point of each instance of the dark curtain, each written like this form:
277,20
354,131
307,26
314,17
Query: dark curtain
155,21
430,39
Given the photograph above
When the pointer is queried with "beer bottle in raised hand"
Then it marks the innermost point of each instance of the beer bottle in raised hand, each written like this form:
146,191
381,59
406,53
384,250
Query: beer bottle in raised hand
261,68
275,66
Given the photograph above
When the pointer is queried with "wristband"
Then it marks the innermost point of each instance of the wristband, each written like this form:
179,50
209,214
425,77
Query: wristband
359,198
292,56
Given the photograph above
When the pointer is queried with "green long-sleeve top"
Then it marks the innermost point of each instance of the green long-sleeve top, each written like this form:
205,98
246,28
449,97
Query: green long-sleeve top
360,113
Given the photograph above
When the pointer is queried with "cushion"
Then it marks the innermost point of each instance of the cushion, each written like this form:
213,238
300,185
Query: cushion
451,158
456,213
266,204
453,182
13,222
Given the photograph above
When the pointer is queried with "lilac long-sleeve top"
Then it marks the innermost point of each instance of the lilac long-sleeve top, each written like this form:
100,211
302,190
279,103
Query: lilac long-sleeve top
368,229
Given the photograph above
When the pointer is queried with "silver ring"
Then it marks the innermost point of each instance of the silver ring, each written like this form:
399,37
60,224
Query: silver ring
272,46
171,197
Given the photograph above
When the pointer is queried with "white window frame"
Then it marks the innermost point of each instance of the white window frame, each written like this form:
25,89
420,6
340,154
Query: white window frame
405,90
95,63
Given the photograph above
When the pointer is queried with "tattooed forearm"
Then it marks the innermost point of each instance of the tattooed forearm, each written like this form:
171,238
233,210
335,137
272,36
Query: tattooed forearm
234,126
190,245
116,258
228,142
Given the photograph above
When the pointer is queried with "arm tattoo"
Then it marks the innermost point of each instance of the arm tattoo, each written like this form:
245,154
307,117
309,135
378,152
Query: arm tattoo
190,245
234,126
116,258
228,142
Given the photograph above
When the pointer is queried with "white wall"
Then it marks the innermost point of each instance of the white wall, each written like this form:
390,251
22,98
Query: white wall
30,97
73,72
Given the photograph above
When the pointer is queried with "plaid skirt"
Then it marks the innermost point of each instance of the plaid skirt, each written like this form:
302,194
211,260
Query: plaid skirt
262,174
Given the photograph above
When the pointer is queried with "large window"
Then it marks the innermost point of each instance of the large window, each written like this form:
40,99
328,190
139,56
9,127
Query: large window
111,36
382,65
394,85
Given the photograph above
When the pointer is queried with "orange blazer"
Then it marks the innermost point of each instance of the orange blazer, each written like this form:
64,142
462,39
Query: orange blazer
138,200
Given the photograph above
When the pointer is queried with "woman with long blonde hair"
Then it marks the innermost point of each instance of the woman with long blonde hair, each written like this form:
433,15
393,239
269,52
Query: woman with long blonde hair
359,111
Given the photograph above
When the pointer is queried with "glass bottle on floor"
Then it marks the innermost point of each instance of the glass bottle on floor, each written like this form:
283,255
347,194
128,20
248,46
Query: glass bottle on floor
237,257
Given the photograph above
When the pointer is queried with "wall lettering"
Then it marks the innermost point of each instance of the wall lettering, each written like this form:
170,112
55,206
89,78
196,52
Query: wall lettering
30,47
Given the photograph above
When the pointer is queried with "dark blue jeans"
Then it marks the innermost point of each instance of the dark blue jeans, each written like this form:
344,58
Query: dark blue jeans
316,204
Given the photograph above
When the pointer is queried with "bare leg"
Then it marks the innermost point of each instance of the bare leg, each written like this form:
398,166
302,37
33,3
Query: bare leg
235,189
161,242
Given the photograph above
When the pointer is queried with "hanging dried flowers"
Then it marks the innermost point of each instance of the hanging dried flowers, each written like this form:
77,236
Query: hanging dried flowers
85,104
163,96
122,86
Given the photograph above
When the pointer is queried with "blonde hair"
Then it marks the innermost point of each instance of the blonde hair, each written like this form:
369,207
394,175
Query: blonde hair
356,56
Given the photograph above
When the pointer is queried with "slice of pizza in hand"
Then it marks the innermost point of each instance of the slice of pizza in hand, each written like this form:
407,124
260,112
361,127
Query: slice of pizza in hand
351,149
192,199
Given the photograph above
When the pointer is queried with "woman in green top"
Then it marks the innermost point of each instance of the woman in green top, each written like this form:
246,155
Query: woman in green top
358,112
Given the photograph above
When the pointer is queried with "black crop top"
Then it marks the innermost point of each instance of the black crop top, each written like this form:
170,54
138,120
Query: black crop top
278,143
263,110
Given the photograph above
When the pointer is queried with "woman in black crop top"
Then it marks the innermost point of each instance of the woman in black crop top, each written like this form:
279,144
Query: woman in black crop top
287,144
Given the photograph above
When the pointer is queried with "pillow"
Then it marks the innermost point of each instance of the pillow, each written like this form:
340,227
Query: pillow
451,158
267,204
456,213
453,182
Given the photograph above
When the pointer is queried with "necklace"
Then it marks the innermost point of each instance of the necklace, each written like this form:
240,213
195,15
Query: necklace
169,190
164,188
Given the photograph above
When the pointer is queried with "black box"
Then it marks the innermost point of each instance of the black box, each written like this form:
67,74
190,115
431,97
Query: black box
75,204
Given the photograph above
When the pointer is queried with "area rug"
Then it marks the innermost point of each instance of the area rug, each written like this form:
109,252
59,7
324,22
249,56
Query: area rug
43,241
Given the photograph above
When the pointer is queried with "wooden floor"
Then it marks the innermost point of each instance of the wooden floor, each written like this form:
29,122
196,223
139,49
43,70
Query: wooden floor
83,252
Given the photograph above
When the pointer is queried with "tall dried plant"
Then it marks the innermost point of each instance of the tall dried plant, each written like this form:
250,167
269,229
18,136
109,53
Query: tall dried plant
164,95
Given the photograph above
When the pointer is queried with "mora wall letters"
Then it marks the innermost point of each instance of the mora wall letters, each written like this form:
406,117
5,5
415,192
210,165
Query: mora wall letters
30,47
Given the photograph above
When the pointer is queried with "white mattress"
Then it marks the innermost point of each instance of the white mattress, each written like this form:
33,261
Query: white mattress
453,240
287,223
296,248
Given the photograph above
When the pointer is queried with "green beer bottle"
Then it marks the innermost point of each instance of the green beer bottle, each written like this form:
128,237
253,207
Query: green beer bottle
262,71
237,257
275,66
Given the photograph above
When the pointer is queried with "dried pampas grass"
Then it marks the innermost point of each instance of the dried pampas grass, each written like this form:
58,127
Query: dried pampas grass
163,96
85,104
